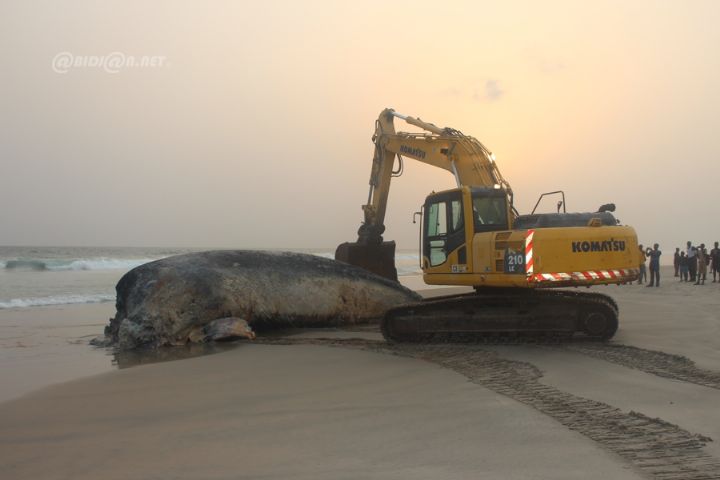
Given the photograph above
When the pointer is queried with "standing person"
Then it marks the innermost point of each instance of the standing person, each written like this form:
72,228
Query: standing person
683,267
692,261
702,259
654,255
676,261
643,273
715,258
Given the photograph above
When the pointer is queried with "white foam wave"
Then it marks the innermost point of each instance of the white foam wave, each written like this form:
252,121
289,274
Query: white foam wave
100,264
104,263
55,300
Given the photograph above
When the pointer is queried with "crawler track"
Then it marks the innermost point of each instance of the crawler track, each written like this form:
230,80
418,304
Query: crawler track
654,447
504,316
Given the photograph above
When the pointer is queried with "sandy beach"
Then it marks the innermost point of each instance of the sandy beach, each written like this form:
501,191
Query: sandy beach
344,404
198,198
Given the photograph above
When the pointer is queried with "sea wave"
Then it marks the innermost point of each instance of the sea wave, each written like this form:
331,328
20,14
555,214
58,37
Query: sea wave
76,265
25,265
406,263
55,300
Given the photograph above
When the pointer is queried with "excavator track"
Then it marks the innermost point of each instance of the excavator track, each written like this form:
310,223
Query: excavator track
504,316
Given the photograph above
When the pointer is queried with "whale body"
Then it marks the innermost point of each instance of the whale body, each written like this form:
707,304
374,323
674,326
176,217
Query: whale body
169,301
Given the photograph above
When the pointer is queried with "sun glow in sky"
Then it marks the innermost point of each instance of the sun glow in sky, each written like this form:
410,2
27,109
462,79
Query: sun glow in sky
254,130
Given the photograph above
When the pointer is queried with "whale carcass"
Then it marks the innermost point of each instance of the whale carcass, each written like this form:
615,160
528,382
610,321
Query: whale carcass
203,296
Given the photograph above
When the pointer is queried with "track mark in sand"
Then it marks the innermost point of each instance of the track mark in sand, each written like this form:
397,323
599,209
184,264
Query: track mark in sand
655,447
662,364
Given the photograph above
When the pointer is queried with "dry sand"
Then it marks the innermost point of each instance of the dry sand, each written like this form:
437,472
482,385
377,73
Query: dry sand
343,404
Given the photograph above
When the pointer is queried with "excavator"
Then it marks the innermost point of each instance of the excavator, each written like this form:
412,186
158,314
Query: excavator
473,235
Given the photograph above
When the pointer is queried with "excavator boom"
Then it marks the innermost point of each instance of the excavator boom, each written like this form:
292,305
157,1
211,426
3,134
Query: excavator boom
470,162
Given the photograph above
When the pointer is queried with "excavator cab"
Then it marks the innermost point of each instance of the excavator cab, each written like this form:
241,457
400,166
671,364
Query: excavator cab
451,219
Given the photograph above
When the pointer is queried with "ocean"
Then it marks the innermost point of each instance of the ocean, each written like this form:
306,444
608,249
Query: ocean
46,276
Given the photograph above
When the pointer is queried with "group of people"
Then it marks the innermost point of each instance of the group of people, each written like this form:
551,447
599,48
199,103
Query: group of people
690,265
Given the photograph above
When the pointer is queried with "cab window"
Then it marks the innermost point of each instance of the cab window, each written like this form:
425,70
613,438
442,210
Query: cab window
437,232
489,213
437,219
456,216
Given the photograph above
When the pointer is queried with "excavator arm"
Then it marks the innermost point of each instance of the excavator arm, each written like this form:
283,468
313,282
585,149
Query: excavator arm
470,162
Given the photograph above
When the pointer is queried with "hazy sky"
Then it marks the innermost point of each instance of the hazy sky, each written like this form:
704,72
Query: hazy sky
253,128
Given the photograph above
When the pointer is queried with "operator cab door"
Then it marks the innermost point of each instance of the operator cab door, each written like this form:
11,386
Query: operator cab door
444,229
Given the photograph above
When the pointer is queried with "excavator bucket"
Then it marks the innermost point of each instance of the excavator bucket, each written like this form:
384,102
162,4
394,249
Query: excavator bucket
377,258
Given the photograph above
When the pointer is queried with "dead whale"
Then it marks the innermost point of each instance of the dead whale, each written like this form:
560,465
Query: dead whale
201,296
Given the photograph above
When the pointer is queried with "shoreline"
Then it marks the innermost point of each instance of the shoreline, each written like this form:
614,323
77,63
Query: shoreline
41,346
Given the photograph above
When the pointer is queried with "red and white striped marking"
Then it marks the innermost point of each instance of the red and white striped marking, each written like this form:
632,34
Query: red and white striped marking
529,253
586,276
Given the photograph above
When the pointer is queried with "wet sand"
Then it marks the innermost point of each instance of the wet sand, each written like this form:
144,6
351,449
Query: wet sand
343,404
42,346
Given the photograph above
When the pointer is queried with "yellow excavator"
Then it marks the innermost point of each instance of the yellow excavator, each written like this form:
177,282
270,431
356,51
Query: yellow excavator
472,235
